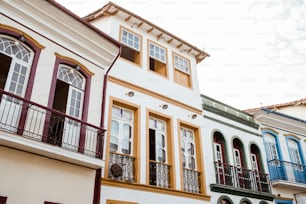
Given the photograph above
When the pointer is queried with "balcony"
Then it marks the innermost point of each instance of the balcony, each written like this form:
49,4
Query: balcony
47,132
240,181
159,174
191,181
121,167
287,174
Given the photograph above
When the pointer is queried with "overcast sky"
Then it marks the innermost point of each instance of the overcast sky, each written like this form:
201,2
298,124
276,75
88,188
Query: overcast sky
257,47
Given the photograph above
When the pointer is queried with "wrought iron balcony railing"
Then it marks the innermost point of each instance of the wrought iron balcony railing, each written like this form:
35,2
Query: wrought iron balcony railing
242,178
121,167
36,122
191,181
159,174
287,171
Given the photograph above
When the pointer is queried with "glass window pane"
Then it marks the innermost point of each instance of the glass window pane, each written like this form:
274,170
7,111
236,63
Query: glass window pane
115,128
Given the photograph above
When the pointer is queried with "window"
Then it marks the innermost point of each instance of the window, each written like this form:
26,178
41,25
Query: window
159,149
190,159
68,98
122,142
16,62
121,130
271,150
131,48
157,59
182,70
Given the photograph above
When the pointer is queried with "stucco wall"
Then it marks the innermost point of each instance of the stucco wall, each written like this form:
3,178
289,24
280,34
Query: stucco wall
29,179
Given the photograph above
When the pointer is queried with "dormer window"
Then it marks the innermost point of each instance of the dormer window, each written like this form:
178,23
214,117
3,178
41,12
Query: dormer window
131,48
158,59
182,74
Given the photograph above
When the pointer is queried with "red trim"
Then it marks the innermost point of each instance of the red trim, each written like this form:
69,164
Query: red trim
32,73
219,139
255,150
97,187
238,145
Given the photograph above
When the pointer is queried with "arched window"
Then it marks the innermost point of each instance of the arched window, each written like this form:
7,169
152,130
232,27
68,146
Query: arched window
256,159
274,158
16,60
69,94
221,165
295,171
238,151
245,201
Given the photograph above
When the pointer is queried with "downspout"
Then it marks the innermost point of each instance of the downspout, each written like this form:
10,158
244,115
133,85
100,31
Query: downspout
97,185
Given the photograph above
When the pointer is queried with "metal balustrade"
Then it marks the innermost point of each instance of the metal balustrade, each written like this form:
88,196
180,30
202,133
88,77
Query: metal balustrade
191,181
121,167
242,178
159,174
36,122
287,171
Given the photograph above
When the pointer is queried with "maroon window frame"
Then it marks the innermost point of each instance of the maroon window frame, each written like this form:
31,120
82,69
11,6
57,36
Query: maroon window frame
87,76
28,41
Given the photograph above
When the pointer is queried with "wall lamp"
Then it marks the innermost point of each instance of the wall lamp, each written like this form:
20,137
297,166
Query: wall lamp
130,93
21,38
164,106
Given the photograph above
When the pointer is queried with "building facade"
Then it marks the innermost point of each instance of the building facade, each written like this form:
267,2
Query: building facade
238,166
52,70
154,143
283,128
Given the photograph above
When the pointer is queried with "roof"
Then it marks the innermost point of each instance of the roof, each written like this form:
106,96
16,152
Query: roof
88,25
280,105
111,9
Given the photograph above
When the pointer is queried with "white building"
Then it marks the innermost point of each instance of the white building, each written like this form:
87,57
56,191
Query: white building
52,69
154,146
237,168
283,127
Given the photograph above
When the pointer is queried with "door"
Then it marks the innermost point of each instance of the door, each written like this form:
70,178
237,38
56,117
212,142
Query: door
219,163
68,99
71,135
297,167
16,61
275,166
159,169
255,177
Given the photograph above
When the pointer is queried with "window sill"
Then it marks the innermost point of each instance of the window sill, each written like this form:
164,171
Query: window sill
144,187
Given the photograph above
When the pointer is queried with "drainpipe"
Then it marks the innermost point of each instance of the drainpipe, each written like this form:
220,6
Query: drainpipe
97,187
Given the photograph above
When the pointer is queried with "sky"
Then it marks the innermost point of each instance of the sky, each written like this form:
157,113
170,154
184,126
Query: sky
257,47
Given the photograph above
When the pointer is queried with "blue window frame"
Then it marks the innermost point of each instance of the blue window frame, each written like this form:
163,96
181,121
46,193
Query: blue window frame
283,201
297,165
274,156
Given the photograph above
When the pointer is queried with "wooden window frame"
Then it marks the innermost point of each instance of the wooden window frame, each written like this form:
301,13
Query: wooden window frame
169,155
119,202
199,159
135,146
162,66
138,52
177,71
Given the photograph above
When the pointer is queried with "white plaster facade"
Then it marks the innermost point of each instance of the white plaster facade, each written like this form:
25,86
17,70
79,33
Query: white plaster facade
31,170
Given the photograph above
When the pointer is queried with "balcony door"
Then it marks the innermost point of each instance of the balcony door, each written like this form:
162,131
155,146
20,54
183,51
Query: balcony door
296,172
68,99
16,60
159,168
276,168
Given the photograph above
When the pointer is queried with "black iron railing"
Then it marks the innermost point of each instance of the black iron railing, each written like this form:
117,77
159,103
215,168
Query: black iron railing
121,167
287,171
159,174
242,178
191,181
37,122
